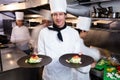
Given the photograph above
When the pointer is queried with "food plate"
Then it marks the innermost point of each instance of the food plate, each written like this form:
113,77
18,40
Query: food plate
3,46
85,60
44,61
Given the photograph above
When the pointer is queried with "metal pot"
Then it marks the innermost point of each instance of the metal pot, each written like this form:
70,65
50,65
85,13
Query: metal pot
115,59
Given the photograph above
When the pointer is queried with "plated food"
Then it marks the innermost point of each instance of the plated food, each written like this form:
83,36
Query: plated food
75,60
33,59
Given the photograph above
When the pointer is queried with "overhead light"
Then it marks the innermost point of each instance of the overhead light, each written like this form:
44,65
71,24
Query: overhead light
1,4
33,16
13,6
36,15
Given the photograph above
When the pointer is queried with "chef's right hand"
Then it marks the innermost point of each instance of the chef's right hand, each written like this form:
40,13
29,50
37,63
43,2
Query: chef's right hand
80,53
93,65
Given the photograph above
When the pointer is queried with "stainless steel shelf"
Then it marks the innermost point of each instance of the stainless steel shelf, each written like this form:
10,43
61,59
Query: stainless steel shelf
95,1
104,29
105,18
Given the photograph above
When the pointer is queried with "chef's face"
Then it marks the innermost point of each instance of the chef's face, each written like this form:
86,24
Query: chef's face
83,34
59,18
46,23
19,23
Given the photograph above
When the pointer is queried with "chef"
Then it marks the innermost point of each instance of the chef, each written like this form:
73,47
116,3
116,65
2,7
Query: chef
57,40
20,34
83,26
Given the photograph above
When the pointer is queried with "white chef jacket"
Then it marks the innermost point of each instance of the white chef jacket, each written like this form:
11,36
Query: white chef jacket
50,45
83,72
93,52
20,36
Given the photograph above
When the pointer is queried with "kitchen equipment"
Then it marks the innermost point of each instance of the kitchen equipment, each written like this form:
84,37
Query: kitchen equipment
83,0
114,59
3,39
102,12
116,14
102,63
110,12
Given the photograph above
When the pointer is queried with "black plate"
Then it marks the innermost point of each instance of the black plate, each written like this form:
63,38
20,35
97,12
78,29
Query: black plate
86,60
45,60
3,46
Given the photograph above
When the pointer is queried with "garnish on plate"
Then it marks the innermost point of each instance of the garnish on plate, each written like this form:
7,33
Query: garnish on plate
33,59
75,59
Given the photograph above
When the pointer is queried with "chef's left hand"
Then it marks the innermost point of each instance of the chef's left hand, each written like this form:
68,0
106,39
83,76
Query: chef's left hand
80,53
93,65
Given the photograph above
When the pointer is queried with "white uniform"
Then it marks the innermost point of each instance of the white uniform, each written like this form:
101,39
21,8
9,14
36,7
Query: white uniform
93,52
84,23
20,36
83,72
50,45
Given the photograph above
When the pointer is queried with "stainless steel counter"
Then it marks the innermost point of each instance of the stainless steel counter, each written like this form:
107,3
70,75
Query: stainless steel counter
9,57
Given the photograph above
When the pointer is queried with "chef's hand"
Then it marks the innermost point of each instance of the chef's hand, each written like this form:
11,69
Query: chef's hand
35,53
80,53
93,65
92,46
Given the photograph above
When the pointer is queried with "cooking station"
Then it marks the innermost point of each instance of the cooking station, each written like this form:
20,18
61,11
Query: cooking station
10,70
107,41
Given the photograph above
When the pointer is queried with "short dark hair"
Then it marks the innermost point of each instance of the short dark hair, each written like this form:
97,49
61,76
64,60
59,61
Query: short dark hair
79,30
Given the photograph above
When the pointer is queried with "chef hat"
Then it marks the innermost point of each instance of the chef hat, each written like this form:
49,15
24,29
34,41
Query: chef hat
46,14
19,15
83,23
58,6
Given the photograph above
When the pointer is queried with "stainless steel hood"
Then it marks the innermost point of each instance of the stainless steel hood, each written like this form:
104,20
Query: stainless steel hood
10,1
78,10
73,7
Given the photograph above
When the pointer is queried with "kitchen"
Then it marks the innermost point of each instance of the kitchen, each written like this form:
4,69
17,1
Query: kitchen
102,34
